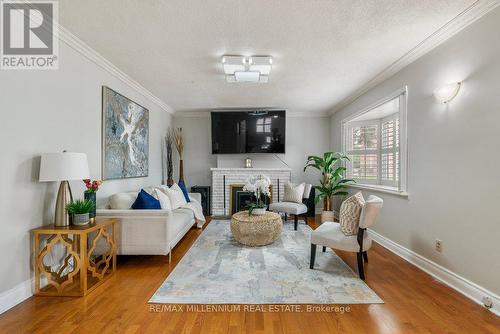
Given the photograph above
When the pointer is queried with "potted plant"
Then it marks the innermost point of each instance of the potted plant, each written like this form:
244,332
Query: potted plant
90,193
332,181
259,185
79,210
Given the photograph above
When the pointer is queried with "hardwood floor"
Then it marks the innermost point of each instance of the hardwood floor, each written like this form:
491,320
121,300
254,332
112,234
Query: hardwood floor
414,303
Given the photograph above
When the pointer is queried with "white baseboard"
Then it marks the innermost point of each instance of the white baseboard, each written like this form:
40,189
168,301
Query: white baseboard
16,295
469,289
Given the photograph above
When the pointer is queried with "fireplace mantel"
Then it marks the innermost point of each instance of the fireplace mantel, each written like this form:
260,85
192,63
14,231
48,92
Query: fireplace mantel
223,178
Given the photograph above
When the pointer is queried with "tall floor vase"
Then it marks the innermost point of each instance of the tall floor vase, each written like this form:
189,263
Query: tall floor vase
181,170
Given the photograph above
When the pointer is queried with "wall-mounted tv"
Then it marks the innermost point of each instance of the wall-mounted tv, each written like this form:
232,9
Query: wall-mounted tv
248,132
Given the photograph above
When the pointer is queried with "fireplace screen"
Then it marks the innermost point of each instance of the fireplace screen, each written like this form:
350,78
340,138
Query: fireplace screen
240,200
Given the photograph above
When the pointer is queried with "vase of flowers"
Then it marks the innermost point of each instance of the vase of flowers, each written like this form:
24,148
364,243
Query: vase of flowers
90,194
259,186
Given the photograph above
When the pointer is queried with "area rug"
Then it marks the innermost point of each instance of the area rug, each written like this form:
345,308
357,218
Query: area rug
219,270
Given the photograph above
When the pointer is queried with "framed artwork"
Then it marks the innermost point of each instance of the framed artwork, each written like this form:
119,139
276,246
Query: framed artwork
125,137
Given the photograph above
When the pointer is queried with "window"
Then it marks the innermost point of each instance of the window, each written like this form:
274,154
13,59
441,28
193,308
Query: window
264,125
373,142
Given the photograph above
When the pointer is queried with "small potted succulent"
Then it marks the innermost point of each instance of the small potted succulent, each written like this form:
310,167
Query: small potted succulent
79,210
259,185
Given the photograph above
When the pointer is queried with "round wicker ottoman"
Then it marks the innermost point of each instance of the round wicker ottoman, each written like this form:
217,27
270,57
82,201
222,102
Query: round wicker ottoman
253,230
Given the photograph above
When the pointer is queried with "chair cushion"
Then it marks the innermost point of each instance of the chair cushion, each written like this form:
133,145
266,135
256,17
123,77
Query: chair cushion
122,201
145,201
350,212
176,196
330,235
294,192
288,207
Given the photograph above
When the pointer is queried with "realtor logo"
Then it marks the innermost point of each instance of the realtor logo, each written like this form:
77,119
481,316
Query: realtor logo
29,37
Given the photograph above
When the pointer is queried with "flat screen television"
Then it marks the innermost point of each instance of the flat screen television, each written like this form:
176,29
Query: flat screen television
248,132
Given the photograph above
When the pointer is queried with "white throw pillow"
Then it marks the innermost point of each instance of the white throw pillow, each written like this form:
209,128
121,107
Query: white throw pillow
163,198
163,188
176,196
122,201
294,192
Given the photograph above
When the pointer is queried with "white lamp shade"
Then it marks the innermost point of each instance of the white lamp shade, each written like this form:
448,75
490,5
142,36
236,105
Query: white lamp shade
446,93
64,166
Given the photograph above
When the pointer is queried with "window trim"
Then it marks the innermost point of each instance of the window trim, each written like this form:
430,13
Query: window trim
402,188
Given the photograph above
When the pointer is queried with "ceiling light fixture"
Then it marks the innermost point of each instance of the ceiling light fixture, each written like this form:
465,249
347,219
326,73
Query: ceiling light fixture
247,69
448,92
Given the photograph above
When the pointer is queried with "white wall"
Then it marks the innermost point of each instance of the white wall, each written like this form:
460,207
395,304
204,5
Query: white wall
454,188
304,136
49,111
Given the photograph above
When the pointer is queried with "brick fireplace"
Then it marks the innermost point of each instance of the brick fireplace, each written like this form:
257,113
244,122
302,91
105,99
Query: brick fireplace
225,179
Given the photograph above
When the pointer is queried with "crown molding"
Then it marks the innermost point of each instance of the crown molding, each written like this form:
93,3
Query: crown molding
290,114
305,114
194,114
474,12
84,49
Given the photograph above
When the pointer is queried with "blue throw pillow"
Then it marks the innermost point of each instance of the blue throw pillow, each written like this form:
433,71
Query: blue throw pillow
145,201
184,190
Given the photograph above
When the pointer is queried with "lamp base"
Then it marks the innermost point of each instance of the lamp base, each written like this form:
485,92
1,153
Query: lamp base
64,197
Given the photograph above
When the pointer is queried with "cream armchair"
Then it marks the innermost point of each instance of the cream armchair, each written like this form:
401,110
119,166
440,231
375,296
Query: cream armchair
291,208
330,235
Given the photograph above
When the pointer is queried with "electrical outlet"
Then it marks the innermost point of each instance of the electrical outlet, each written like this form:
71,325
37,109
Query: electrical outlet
439,245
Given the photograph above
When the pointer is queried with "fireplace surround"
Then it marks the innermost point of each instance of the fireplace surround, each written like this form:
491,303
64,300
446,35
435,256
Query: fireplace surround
239,200
224,178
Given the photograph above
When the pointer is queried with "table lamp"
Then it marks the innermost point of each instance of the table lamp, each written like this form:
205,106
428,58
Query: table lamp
63,167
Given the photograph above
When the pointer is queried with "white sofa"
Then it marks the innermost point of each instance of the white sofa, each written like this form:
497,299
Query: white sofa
147,232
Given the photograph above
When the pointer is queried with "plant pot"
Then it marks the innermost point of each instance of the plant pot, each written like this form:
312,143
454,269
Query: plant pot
91,196
81,219
327,216
259,211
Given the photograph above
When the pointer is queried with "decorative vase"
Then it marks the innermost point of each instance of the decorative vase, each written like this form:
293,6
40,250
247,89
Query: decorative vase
181,170
91,196
259,211
81,219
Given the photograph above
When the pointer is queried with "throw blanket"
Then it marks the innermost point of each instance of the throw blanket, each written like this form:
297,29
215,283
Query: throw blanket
195,206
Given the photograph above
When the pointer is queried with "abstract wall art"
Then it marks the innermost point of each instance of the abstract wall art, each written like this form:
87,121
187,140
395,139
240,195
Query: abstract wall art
125,137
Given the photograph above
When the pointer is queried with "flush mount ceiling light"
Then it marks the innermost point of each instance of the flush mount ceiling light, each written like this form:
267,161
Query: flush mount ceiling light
247,69
448,92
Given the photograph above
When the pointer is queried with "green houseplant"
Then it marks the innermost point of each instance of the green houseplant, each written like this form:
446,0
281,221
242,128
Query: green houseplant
80,210
332,181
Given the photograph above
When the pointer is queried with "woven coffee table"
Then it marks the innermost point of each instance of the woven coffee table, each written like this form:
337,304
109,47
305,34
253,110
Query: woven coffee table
253,230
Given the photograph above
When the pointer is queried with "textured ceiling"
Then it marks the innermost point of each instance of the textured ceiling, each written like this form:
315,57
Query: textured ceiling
323,49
